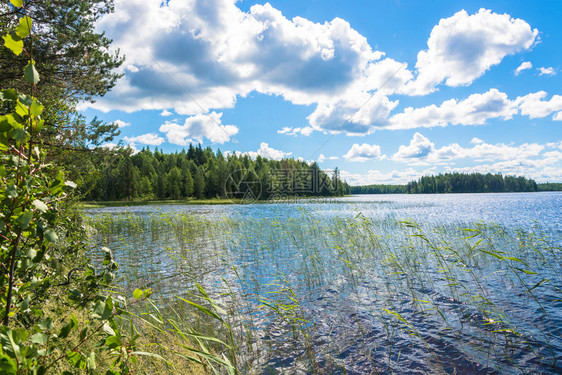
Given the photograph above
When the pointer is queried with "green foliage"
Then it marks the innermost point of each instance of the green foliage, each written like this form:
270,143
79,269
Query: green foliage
378,189
201,173
76,63
550,186
470,183
36,241
458,183
14,43
75,60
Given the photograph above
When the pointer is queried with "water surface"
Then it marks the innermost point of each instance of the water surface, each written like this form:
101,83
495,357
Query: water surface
382,282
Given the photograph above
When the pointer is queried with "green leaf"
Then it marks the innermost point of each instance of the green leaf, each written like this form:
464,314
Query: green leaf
91,362
40,206
8,94
46,324
202,309
65,330
137,294
18,134
103,310
38,126
25,99
17,3
3,142
9,345
24,219
30,73
398,316
22,110
107,329
39,338
537,285
36,108
50,235
57,184
5,124
74,358
11,191
13,43
7,365
31,254
24,27
112,342
492,254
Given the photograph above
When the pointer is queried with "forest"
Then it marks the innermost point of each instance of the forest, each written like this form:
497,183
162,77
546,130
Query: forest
378,189
201,173
459,183
550,186
470,183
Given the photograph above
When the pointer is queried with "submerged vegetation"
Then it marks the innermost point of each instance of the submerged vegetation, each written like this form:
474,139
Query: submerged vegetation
345,294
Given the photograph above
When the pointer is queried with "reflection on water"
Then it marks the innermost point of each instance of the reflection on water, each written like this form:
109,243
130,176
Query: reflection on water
351,287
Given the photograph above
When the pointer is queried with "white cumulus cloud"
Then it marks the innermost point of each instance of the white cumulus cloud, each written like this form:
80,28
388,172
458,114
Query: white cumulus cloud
474,110
550,71
121,123
363,152
421,151
306,131
146,139
524,66
198,127
476,141
534,105
356,115
115,146
217,52
462,47
269,152
264,151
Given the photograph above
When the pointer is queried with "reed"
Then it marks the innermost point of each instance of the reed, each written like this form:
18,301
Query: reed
317,294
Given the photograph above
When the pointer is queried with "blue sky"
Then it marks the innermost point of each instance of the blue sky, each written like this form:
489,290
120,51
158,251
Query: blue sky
386,91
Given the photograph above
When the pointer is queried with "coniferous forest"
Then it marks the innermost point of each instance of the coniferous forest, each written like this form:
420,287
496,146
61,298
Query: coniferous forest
459,183
201,173
471,183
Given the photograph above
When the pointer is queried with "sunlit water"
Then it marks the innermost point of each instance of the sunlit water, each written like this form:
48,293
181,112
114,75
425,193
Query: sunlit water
336,255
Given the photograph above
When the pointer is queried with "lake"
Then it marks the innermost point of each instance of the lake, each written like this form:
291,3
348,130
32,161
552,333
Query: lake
454,283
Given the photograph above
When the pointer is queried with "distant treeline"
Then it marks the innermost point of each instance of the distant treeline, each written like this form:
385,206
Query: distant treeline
550,186
201,173
460,183
378,189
